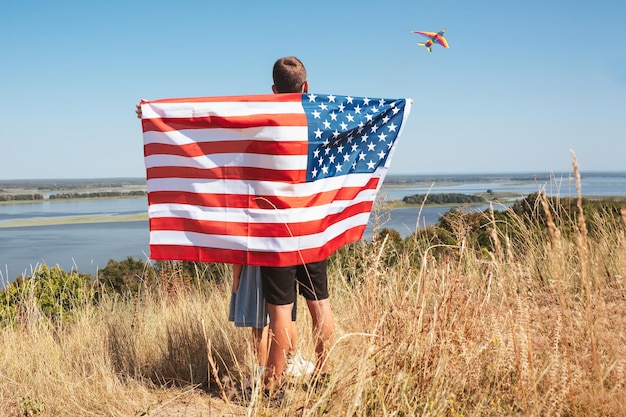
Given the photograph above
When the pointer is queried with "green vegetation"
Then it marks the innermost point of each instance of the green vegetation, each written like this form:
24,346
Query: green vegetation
444,198
21,197
98,194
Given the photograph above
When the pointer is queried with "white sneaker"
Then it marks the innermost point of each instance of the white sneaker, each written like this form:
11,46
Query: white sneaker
297,366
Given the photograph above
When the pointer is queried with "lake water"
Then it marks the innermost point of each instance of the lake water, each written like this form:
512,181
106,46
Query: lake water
88,247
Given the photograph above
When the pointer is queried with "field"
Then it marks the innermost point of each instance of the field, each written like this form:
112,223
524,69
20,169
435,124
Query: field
534,327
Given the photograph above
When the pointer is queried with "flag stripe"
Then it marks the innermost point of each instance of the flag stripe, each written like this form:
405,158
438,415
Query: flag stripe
257,201
230,122
257,243
253,257
218,135
268,214
225,172
258,228
254,147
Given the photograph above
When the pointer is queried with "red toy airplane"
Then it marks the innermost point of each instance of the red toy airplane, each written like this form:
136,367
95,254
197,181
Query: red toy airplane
433,38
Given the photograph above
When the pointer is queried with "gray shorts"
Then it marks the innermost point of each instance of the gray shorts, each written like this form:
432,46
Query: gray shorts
248,307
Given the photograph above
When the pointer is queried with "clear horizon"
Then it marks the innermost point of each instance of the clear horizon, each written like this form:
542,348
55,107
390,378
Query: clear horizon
421,174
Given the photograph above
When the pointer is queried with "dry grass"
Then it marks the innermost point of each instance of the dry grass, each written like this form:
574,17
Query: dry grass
536,328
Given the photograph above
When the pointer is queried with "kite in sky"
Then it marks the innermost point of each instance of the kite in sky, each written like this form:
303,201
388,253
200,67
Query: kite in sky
433,38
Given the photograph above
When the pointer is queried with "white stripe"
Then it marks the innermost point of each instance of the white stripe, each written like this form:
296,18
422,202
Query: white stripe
282,244
153,110
240,215
267,133
277,162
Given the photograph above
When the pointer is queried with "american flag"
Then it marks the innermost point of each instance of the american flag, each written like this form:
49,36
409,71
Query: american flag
277,179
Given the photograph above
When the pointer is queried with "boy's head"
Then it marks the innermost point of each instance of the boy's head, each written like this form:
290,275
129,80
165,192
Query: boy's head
289,76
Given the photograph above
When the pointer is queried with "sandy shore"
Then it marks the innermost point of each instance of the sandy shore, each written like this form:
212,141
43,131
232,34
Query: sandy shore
52,221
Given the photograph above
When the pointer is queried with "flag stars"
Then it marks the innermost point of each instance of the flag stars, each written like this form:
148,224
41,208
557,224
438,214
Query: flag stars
347,132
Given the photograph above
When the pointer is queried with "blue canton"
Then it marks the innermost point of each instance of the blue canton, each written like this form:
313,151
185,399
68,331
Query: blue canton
349,134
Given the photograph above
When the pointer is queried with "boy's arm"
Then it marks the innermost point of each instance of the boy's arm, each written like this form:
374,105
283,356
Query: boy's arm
236,274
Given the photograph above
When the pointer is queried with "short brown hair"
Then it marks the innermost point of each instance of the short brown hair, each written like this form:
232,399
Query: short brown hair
289,75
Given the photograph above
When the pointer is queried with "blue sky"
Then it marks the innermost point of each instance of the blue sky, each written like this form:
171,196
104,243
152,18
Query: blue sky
522,84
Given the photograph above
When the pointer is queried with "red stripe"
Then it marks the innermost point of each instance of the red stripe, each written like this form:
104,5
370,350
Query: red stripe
209,254
257,201
260,98
228,146
269,230
166,124
227,173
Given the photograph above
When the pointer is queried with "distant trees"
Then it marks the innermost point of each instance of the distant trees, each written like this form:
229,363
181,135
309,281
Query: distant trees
21,197
67,196
98,194
445,198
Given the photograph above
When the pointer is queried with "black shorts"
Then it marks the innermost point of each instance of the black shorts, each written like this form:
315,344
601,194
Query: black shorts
279,282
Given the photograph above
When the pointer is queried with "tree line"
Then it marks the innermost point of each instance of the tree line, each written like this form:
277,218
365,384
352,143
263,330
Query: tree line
444,198
97,194
67,196
21,197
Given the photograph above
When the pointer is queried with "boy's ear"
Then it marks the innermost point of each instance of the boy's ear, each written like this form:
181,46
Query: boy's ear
305,87
274,89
